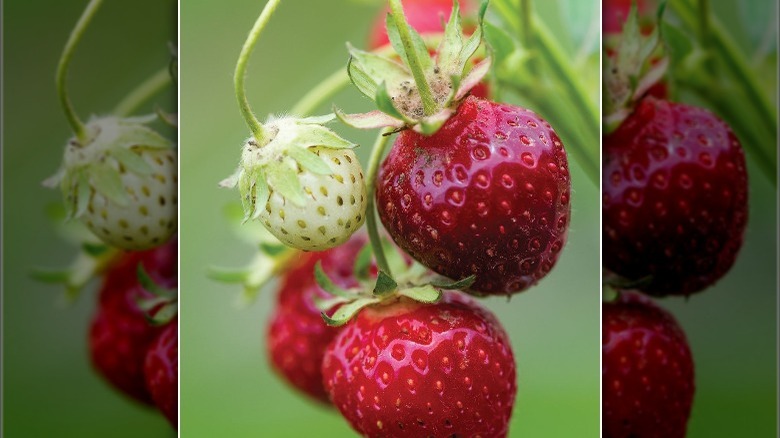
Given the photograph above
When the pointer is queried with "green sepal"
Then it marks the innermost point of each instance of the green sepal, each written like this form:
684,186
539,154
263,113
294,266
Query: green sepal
371,120
273,249
325,304
309,160
150,286
395,260
227,275
328,285
385,285
83,192
474,77
431,124
284,179
170,119
261,194
367,70
344,313
105,179
131,161
461,284
424,294
95,249
165,315
385,104
304,133
362,265
133,134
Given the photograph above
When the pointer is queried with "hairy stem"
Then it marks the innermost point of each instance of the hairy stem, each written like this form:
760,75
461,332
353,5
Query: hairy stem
429,103
257,128
373,232
144,91
62,69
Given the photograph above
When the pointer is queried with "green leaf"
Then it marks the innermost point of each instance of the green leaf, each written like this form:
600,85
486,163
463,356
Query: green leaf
284,179
385,285
500,42
361,80
451,45
309,160
372,69
105,179
133,134
343,314
132,161
306,135
578,16
328,285
423,294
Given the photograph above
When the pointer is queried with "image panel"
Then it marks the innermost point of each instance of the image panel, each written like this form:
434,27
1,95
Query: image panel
690,218
390,218
90,214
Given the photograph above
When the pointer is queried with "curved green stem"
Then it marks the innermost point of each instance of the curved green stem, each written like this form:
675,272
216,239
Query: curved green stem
257,128
321,93
426,95
62,69
373,232
144,91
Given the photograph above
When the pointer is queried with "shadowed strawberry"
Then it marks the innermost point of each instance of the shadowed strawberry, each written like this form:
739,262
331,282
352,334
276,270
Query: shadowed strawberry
161,371
647,371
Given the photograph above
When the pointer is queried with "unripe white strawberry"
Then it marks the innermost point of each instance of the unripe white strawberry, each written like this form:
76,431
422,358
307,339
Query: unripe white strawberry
121,183
305,185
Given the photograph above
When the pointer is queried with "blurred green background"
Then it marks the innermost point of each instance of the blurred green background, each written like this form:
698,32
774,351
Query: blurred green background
732,327
227,386
49,388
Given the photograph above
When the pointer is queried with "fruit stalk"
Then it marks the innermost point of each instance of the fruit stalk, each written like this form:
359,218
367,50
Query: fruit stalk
62,69
429,103
145,90
257,128
373,232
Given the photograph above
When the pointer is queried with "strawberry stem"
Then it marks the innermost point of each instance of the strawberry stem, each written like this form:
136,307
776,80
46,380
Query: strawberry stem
144,91
257,128
62,70
426,95
373,232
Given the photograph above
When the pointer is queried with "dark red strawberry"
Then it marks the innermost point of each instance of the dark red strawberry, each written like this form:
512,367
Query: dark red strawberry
297,336
615,13
675,198
647,371
120,334
428,16
413,369
488,194
161,370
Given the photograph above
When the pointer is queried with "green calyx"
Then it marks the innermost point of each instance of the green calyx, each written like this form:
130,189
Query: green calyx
419,92
112,146
92,260
162,307
272,165
414,282
630,73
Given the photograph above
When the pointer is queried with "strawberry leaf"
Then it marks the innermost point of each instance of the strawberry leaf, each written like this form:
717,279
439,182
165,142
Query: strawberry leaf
130,160
424,294
284,179
368,70
385,285
105,179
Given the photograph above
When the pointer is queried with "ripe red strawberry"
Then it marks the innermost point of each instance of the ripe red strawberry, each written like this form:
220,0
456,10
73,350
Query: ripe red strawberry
413,369
647,371
615,13
161,370
488,194
427,16
297,336
120,334
674,198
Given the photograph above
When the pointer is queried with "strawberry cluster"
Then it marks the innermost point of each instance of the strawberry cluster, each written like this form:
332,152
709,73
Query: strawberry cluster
475,197
119,179
675,191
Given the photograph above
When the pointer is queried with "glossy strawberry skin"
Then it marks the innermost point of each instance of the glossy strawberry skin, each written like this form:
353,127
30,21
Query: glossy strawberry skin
161,371
120,335
647,371
297,336
674,198
488,194
413,369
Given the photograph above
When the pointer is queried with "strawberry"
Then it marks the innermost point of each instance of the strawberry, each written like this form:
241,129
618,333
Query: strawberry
674,198
414,369
615,13
647,371
488,194
297,336
304,184
120,333
161,372
426,16
121,183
